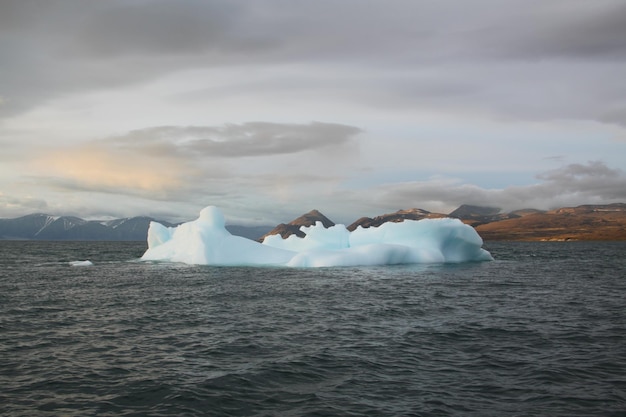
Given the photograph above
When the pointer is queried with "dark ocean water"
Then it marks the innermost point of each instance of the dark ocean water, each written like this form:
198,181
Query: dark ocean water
541,331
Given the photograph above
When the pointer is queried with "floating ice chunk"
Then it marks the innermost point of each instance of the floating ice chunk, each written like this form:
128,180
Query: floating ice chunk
206,241
158,234
81,263
431,240
317,237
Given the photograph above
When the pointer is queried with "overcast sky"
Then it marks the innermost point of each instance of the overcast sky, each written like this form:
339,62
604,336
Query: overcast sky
270,108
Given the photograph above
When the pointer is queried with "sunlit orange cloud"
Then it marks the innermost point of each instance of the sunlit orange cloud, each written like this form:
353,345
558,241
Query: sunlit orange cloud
99,167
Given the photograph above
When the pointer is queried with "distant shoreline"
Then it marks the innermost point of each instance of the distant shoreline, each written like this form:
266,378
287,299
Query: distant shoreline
582,223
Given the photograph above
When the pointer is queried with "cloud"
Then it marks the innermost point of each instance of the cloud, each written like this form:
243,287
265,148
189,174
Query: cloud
568,31
158,27
90,167
593,181
251,139
515,59
14,207
60,47
242,165
570,185
435,87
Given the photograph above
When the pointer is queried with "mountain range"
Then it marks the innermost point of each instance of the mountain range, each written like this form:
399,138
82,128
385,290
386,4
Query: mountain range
586,222
46,227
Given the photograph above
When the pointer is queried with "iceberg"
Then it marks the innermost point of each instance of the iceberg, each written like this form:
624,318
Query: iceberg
205,241
81,263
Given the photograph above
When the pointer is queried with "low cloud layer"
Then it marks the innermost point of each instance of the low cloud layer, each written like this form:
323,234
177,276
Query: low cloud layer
163,184
235,163
570,185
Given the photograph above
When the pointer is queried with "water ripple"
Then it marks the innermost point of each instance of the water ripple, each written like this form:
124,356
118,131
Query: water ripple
524,335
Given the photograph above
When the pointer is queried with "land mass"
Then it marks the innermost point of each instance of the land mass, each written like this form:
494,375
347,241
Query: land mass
46,227
586,222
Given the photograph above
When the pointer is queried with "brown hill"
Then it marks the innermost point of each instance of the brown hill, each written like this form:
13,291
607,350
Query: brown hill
524,212
397,217
293,227
476,215
587,222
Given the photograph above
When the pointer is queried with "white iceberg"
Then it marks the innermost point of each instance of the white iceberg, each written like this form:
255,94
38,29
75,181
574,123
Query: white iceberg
81,263
206,241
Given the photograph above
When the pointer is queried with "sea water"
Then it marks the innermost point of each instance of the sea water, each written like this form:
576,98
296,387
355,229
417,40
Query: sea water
540,331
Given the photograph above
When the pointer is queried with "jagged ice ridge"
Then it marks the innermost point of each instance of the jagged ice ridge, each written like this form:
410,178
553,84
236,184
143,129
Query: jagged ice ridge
205,241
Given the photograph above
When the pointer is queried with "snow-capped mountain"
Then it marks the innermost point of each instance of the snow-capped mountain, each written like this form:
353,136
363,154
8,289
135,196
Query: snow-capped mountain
46,227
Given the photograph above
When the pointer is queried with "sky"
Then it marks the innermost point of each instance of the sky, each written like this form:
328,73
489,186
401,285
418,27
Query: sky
271,108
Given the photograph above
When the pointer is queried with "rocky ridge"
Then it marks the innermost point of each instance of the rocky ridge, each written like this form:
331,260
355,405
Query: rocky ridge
293,227
396,217
586,222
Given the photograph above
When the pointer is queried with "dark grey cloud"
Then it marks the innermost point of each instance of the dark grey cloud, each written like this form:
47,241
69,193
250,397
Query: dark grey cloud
57,47
593,180
157,27
520,59
238,140
560,30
